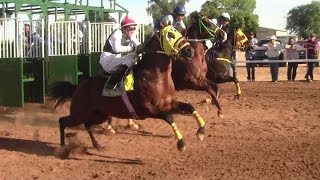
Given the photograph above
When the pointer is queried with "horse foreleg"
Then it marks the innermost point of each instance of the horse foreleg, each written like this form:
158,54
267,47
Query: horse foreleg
95,144
169,119
186,107
109,126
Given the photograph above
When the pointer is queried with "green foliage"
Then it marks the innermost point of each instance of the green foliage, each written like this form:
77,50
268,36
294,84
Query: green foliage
160,8
304,19
147,31
241,12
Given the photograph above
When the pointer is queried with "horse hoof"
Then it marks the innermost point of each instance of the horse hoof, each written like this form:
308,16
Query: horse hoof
200,136
208,100
200,133
181,145
133,126
221,116
62,152
112,131
99,147
236,97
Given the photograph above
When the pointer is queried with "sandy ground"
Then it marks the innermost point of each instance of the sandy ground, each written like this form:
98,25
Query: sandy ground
271,132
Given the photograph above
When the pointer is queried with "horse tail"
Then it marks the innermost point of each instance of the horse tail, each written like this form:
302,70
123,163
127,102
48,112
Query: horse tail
61,91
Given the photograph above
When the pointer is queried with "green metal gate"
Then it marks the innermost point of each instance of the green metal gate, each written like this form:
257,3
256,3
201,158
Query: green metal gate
21,65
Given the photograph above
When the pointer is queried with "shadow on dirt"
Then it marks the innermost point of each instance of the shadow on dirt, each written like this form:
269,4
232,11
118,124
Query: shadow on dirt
115,160
27,146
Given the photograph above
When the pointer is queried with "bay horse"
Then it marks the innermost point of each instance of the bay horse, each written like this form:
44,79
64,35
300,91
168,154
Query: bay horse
192,74
152,96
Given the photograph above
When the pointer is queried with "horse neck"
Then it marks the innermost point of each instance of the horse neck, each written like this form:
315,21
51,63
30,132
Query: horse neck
152,65
224,52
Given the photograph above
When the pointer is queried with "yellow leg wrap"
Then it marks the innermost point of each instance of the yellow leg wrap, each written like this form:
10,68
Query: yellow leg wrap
176,131
199,119
238,88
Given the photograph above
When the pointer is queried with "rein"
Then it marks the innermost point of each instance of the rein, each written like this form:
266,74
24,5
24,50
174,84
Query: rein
210,31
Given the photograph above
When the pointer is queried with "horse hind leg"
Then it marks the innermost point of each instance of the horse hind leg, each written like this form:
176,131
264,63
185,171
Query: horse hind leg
94,142
63,123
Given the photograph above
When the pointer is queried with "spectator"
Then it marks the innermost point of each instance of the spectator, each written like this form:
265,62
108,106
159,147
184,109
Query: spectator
273,53
312,52
291,53
32,42
27,39
251,43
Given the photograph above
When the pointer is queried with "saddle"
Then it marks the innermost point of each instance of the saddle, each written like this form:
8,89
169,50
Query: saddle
125,84
113,91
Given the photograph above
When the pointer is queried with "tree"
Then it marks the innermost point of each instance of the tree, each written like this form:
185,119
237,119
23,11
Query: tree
160,8
241,12
304,19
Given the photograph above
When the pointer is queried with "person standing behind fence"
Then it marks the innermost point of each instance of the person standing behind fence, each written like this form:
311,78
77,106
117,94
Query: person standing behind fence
291,54
273,53
251,43
312,52
27,39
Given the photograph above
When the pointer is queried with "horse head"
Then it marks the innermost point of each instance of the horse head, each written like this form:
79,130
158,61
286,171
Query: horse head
203,28
170,42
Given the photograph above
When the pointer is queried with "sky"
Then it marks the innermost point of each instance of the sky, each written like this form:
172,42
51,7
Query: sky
272,13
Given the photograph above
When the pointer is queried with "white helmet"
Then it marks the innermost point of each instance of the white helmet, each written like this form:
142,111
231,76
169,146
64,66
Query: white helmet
214,21
274,37
166,20
226,16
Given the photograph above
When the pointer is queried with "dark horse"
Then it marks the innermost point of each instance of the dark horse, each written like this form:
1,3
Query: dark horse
192,75
152,96
219,58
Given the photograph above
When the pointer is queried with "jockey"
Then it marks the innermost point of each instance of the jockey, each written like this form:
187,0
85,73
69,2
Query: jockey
222,21
179,15
176,19
120,52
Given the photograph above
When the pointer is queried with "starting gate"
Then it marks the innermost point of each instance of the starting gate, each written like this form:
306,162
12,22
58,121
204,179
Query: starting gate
21,62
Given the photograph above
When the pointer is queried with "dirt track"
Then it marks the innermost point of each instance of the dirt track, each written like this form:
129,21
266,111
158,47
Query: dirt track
272,132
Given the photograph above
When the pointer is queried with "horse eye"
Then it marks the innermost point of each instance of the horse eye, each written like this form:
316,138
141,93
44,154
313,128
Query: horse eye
171,35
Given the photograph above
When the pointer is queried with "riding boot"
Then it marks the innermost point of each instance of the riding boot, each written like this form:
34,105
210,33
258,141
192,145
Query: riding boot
115,78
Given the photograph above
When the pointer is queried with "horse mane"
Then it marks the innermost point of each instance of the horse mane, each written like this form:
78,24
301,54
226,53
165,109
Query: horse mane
198,18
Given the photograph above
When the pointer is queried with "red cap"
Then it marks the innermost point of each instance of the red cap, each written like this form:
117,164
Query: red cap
127,21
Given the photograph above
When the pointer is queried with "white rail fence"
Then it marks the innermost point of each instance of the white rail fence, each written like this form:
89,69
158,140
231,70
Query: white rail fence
71,37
